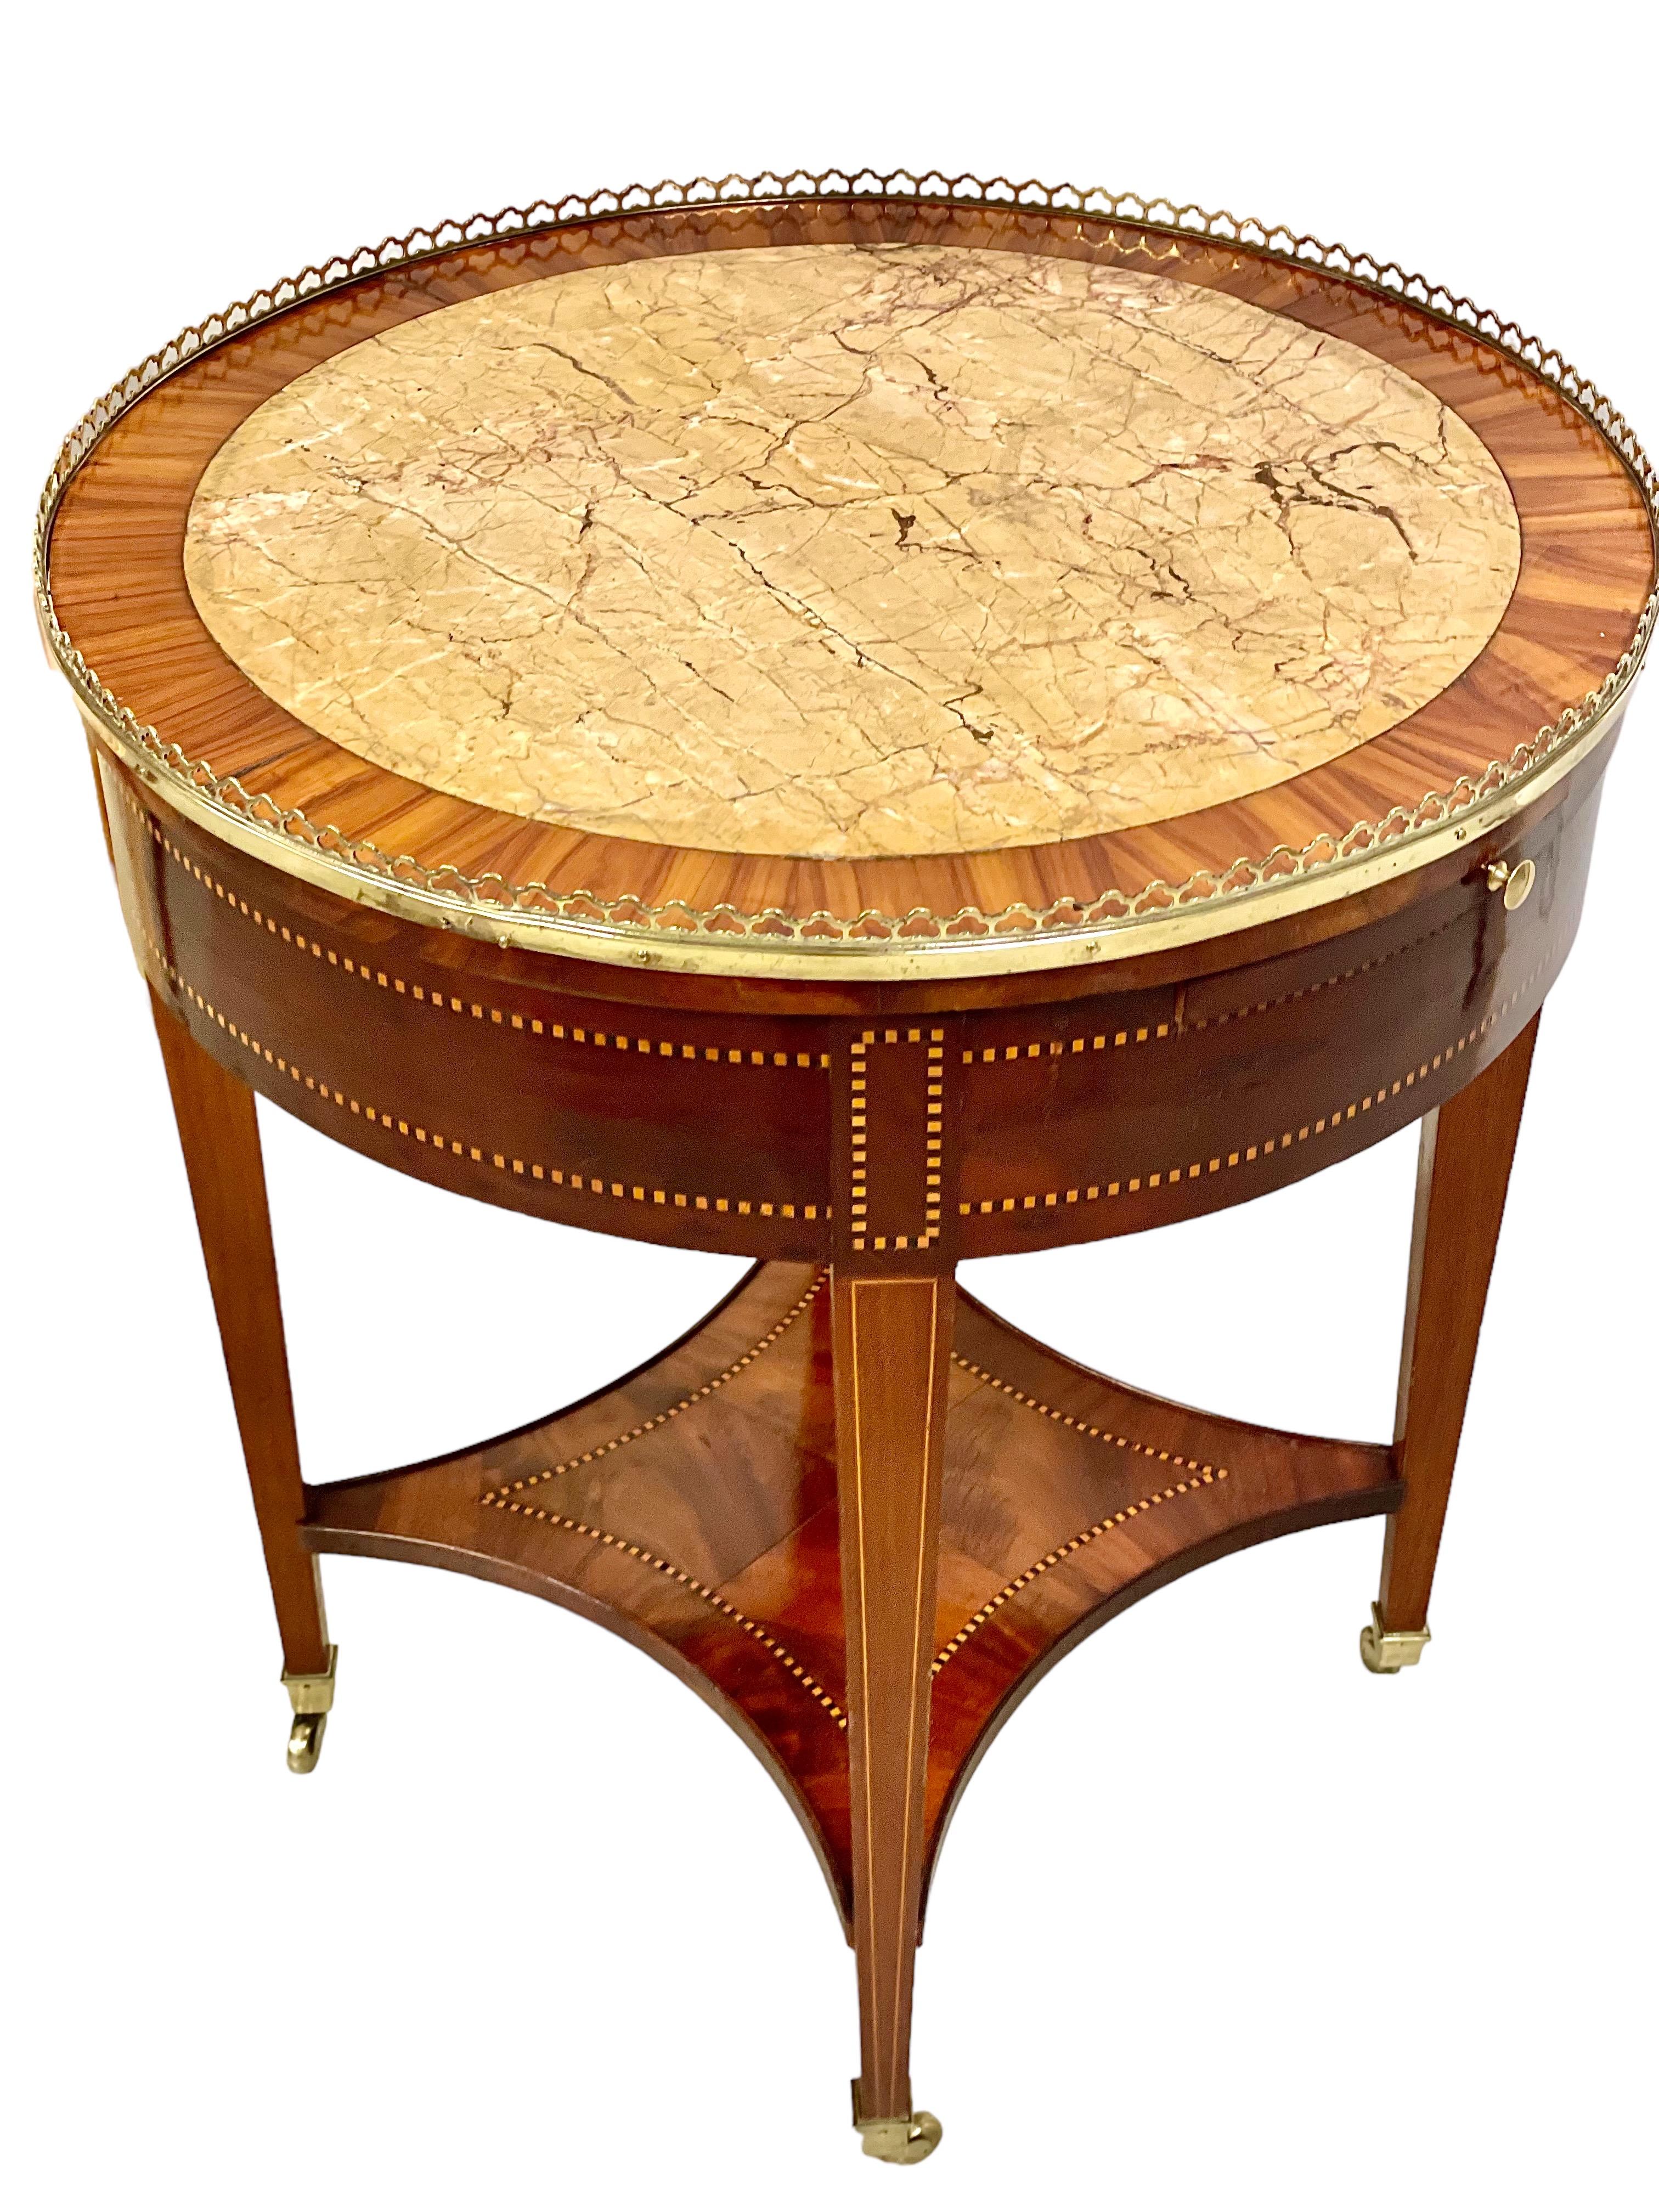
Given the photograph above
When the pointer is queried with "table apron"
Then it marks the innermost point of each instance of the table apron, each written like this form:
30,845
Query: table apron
1060,1122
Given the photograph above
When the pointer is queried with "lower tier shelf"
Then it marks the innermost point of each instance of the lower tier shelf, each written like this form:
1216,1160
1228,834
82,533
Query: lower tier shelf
691,1508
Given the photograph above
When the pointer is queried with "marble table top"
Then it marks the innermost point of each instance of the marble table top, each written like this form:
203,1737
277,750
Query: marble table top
851,550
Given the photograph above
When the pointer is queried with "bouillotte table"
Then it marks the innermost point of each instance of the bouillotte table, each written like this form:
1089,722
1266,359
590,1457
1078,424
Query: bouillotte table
863,722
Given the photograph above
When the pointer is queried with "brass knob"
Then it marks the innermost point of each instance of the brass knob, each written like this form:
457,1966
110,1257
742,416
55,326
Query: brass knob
1515,883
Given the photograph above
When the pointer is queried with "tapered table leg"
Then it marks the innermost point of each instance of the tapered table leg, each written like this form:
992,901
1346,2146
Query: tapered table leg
220,1136
892,1344
1462,1179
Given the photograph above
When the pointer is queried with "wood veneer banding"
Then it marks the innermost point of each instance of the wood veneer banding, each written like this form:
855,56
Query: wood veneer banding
511,1079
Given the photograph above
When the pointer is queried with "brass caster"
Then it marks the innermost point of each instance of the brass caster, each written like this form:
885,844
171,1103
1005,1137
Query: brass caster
899,2142
1386,1651
305,1741
311,1696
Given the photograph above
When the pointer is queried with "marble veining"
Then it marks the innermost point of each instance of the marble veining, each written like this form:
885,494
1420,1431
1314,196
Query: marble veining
847,550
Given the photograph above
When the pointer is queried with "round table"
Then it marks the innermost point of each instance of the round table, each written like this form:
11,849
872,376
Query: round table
864,722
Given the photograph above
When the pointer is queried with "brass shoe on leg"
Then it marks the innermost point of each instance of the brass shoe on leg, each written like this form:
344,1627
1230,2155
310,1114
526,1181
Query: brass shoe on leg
1386,1651
312,1697
900,2141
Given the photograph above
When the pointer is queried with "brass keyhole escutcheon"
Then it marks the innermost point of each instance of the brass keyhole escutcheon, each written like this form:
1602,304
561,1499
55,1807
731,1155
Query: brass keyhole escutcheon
1515,883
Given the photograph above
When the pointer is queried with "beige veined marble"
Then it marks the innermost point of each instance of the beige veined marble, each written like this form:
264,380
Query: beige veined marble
845,551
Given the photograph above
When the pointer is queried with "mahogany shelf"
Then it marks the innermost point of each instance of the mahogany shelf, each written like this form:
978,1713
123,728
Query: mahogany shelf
691,1508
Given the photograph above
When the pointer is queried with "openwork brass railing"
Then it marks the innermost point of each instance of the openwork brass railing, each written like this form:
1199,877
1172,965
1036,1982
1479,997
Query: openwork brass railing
489,905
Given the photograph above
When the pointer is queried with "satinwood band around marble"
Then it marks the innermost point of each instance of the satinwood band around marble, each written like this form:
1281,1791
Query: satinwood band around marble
1580,607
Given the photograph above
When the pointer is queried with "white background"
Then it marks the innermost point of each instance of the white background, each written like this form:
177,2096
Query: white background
1224,1920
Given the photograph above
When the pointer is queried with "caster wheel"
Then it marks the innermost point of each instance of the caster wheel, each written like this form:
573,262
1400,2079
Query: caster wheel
901,2143
1369,1654
305,1741
310,1696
